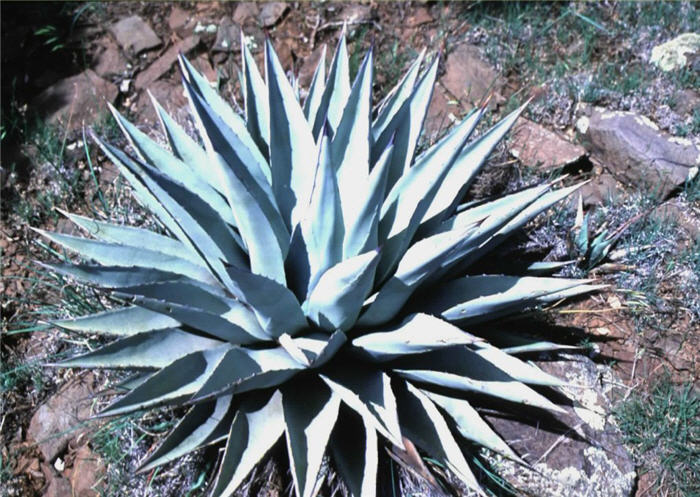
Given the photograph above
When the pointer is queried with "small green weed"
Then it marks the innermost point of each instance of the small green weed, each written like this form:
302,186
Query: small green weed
663,429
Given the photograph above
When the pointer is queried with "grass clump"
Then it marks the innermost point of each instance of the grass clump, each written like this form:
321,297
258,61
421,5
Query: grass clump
663,429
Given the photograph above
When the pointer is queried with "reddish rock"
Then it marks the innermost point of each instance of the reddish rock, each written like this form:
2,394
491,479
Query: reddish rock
600,190
203,65
134,35
285,54
58,487
177,18
308,67
469,78
83,95
169,95
441,113
163,64
87,470
53,425
271,13
246,12
356,13
535,145
418,17
109,60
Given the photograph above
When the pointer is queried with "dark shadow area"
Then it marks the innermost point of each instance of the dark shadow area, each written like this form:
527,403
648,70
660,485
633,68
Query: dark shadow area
36,52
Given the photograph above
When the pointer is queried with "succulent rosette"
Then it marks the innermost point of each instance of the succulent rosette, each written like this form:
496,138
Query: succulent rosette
314,278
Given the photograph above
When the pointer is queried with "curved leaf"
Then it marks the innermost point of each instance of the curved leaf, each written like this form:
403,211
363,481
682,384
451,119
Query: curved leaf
174,383
477,298
134,237
257,111
336,91
425,426
153,349
350,147
113,254
125,321
276,307
354,448
318,84
362,235
186,148
465,168
416,334
322,220
470,424
309,421
242,370
336,301
258,424
258,220
203,424
152,153
113,277
291,143
368,392
396,97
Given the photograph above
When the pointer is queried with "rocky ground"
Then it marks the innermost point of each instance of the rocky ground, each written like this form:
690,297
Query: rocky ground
615,102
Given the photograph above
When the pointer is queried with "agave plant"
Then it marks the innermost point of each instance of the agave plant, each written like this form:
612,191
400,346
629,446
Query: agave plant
313,278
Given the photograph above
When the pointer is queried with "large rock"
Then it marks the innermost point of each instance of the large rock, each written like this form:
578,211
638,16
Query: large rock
78,98
582,454
134,35
163,63
54,423
636,152
469,78
535,145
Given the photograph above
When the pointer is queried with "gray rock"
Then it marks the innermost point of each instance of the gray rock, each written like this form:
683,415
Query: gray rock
54,424
272,12
228,37
469,78
586,458
535,145
636,152
58,487
109,61
134,35
78,98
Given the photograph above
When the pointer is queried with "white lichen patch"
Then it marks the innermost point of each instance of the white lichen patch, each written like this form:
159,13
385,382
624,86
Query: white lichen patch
645,121
673,54
582,125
